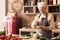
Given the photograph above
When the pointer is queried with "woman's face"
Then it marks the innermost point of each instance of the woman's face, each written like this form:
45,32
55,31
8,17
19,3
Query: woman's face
43,9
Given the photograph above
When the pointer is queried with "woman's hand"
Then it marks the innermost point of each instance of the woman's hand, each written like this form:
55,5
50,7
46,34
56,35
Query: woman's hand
39,27
43,27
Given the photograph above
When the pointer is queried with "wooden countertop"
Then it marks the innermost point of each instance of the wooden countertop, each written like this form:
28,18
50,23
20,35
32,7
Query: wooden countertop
34,30
56,30
28,30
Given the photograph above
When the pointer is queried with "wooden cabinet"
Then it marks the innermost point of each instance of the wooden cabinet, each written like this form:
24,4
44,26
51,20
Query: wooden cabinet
31,10
30,6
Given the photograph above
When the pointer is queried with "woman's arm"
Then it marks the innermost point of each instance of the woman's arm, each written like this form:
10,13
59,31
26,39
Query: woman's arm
35,22
52,24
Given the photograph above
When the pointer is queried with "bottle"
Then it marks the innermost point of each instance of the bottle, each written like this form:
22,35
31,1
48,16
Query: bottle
29,3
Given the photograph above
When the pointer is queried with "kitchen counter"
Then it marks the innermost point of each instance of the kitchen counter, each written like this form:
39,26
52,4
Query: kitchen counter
34,30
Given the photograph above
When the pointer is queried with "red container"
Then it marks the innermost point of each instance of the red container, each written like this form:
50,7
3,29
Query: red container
14,25
10,24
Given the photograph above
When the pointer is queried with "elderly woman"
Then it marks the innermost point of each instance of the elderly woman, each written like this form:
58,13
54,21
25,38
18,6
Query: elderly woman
43,20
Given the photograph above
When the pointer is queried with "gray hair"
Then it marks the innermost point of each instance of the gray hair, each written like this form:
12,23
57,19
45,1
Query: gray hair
41,4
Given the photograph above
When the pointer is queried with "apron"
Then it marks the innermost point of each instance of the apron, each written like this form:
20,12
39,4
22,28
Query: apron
45,23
